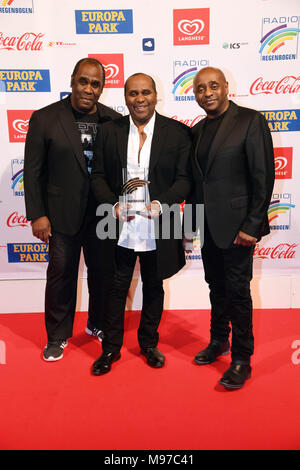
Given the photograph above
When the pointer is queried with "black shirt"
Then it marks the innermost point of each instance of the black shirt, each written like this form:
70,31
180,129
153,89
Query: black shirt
210,129
87,125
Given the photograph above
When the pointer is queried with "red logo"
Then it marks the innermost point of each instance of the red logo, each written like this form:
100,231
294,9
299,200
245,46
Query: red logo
190,122
283,157
16,220
25,42
114,69
18,121
281,251
191,26
287,85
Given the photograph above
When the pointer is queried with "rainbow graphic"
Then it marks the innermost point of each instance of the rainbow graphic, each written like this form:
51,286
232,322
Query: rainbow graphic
183,83
7,2
277,38
18,179
276,208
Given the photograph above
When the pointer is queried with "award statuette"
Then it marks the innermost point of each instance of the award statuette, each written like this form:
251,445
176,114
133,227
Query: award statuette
135,194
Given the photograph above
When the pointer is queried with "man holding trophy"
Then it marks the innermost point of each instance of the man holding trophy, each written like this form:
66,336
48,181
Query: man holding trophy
142,168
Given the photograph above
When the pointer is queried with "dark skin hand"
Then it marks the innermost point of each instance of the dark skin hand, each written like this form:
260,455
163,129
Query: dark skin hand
41,228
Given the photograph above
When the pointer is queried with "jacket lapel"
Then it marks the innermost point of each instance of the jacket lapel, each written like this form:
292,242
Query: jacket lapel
158,140
198,139
226,126
70,128
122,134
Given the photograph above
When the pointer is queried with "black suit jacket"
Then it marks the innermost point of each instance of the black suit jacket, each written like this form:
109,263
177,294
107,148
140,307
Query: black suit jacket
169,174
237,186
56,180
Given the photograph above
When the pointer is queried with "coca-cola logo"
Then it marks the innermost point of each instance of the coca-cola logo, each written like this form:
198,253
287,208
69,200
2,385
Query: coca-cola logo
16,220
280,251
190,122
286,85
26,42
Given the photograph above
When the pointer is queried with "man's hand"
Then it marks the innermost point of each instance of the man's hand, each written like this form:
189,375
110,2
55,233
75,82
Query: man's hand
41,228
122,212
245,240
151,211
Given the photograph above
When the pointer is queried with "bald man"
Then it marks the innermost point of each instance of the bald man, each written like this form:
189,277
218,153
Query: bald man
233,169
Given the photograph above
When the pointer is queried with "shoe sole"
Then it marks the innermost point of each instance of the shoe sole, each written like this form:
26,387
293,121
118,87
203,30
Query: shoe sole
54,359
234,387
89,332
202,363
108,370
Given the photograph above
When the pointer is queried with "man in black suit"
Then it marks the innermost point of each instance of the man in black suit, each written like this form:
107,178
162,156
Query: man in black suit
233,168
161,146
60,204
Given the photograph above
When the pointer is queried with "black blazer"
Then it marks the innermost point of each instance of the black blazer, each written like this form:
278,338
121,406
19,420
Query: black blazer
56,180
237,186
169,174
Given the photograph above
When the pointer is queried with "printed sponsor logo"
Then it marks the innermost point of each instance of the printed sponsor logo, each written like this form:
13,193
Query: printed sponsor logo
18,121
31,80
16,6
60,44
279,212
17,179
27,252
16,220
190,121
282,251
287,85
148,44
64,94
184,72
280,37
104,21
283,120
114,69
191,26
283,157
229,46
25,42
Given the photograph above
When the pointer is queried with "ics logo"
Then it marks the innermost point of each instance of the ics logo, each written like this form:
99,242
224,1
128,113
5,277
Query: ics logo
191,26
114,69
27,252
17,179
283,162
25,80
280,37
103,21
18,122
279,212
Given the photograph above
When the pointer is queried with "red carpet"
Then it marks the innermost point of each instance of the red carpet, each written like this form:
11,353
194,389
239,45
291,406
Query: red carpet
181,406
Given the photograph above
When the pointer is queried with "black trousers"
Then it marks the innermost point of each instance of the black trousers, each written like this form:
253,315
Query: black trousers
62,277
228,273
153,298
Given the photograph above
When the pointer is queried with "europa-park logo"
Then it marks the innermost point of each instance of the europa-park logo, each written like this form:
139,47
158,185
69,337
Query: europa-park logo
27,41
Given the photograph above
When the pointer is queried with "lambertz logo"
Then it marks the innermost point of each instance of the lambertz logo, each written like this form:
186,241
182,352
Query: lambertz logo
283,157
282,251
103,21
16,6
114,69
289,84
191,26
279,38
25,42
17,177
279,212
184,72
27,252
18,122
287,120
25,80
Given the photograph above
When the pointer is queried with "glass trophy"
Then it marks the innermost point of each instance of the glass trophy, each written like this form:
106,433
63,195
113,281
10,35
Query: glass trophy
135,193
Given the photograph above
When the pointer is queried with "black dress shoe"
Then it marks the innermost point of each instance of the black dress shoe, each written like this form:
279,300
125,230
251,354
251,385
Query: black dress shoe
212,352
104,362
236,375
154,357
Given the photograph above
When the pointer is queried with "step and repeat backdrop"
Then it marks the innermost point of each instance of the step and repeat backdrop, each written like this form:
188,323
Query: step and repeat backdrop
256,44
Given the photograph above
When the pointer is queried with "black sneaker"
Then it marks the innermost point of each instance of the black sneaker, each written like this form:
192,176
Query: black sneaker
93,331
54,350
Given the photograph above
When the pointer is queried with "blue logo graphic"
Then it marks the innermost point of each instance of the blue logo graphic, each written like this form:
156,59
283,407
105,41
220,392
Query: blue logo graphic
148,44
23,81
104,21
27,252
283,120
64,94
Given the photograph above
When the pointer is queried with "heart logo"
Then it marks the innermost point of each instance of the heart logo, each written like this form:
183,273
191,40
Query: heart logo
21,125
191,27
111,71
